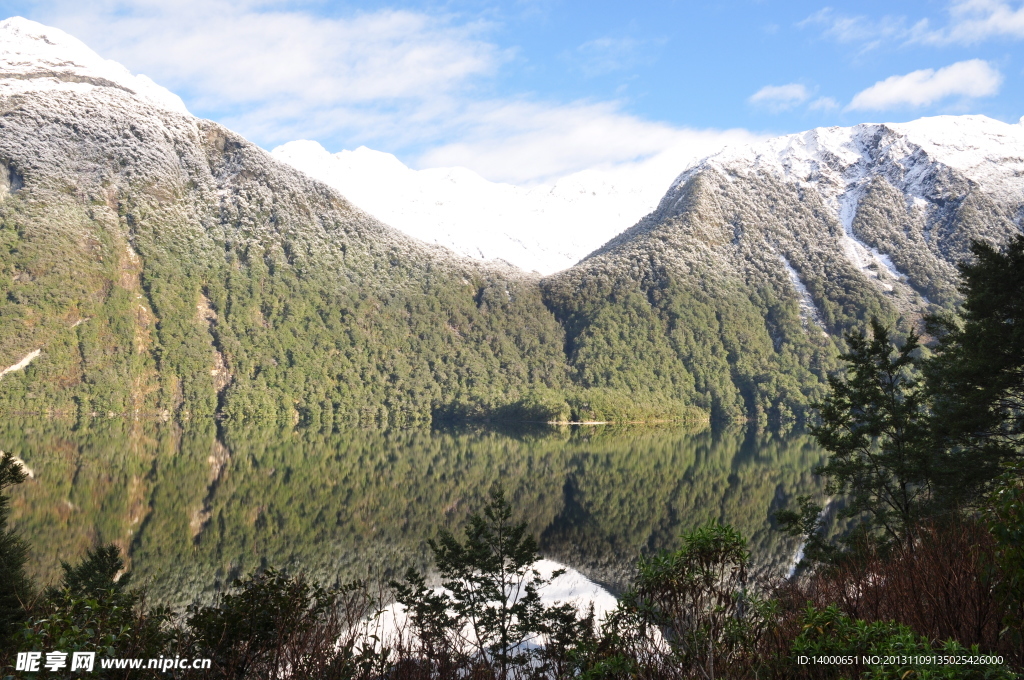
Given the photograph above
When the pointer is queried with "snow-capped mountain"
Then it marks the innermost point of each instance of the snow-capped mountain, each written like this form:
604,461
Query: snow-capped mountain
550,227
761,257
156,261
897,191
34,57
543,228
840,164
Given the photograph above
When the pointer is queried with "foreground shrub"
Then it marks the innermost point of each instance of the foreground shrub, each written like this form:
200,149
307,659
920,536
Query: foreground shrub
691,613
834,645
272,625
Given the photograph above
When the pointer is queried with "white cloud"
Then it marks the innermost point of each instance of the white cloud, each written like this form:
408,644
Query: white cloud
780,97
524,142
973,21
973,78
823,104
280,65
415,83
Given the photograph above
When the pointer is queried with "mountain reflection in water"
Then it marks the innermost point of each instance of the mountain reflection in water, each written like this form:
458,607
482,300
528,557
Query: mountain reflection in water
196,506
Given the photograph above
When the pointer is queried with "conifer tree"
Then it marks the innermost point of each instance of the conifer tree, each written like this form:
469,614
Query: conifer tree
488,614
14,584
976,377
874,423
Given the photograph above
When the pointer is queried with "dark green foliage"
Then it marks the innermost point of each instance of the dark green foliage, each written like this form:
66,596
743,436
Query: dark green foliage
15,588
93,611
661,340
902,653
99,572
690,613
272,625
976,376
1005,515
874,422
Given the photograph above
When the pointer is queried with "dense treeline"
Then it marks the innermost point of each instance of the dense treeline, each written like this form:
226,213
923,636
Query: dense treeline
193,276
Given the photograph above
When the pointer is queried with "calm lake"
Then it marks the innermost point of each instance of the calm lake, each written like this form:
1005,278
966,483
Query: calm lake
196,506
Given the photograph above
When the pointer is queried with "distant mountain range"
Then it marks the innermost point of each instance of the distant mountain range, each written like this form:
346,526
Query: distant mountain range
544,228
155,263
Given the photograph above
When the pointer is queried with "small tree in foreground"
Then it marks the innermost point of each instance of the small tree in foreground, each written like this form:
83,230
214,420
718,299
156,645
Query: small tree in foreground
874,423
690,614
488,615
14,584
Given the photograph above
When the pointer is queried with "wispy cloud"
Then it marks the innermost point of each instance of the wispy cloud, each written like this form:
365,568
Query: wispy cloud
523,141
225,53
823,104
417,83
966,79
969,22
606,55
777,98
856,29
974,21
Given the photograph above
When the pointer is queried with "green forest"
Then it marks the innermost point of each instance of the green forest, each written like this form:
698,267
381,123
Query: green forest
173,270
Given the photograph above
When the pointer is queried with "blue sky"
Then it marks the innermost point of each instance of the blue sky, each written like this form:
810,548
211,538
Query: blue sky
528,90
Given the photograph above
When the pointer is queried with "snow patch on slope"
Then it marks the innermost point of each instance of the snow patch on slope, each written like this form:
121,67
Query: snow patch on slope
544,228
35,57
868,260
808,310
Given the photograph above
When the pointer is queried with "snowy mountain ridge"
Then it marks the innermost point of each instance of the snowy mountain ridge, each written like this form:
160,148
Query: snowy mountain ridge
836,160
549,228
543,228
840,164
35,57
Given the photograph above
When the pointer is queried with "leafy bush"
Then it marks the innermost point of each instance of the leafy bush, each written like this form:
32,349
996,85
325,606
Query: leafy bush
830,633
272,625
92,610
691,614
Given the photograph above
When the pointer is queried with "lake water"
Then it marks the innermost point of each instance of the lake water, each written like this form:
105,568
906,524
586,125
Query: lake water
196,506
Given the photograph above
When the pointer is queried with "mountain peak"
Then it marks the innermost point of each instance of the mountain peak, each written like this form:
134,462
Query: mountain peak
835,160
35,57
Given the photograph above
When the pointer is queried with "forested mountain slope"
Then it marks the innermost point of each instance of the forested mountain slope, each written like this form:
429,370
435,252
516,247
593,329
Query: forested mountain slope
163,264
733,292
155,263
